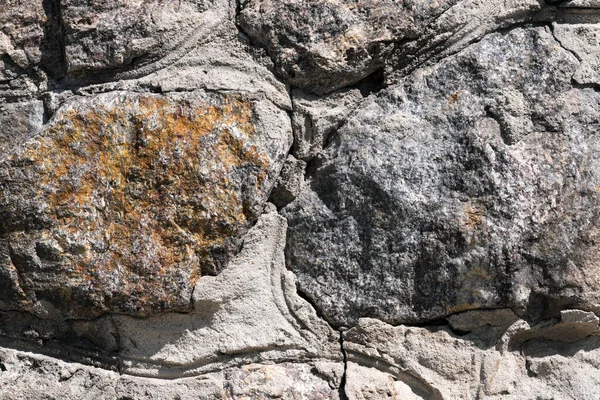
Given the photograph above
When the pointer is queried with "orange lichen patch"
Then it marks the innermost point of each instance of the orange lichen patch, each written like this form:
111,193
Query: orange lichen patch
474,216
142,193
454,97
452,102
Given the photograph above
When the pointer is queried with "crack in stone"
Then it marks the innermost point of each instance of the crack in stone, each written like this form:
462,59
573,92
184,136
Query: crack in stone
343,381
560,43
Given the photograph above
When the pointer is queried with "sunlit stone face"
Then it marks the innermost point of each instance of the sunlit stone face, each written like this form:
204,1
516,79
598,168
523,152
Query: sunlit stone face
125,200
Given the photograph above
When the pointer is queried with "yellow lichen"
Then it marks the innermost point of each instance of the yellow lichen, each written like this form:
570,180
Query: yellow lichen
142,192
474,216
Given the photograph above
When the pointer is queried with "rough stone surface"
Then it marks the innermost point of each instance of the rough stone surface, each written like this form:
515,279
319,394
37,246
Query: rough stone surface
324,45
282,199
30,51
472,184
584,42
117,34
581,4
316,118
18,121
465,23
26,376
248,314
472,320
434,363
290,181
132,197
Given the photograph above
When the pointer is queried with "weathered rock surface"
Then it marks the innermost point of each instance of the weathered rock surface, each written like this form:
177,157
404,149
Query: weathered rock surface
324,45
195,194
317,118
19,120
584,42
250,313
27,376
107,35
132,197
470,185
489,362
30,50
581,4
290,181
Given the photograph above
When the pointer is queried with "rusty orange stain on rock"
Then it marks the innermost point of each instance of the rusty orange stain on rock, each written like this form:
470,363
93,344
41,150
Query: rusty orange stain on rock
474,216
143,193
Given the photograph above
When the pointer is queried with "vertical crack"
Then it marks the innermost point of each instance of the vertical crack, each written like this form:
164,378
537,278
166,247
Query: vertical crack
574,81
342,389
53,46
551,28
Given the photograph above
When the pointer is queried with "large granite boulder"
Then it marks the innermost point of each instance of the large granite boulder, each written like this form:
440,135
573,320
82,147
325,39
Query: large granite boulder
473,184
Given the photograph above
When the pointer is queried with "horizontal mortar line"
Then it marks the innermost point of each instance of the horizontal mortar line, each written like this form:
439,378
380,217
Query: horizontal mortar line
215,366
169,372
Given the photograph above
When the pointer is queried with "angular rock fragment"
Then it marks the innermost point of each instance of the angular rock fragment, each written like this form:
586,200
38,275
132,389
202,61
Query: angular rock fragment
473,184
469,321
30,47
316,118
289,183
107,35
292,381
125,199
324,45
433,363
584,41
369,383
18,121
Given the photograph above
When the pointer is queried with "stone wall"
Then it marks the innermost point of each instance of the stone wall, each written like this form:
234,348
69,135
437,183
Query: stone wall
328,199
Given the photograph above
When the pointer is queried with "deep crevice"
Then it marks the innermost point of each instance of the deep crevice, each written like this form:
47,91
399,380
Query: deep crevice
342,389
589,85
371,84
53,59
310,301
